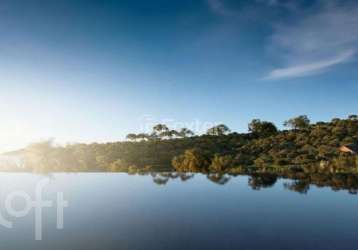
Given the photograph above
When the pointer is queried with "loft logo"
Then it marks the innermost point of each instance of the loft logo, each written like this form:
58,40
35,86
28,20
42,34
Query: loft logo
38,204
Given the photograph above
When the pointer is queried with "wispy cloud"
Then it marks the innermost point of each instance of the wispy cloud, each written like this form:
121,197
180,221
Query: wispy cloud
309,68
219,8
316,42
310,39
225,9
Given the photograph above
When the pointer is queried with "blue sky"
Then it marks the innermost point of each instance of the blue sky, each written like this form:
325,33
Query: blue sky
84,71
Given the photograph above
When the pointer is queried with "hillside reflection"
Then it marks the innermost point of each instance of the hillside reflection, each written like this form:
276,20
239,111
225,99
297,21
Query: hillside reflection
297,183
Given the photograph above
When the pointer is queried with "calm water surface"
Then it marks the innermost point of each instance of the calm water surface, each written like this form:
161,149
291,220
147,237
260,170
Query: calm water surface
120,211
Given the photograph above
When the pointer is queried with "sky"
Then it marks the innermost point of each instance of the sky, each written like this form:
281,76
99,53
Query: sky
94,71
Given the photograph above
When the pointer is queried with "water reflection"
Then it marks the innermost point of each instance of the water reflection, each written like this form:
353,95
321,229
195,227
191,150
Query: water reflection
171,210
218,178
163,178
258,181
299,183
300,186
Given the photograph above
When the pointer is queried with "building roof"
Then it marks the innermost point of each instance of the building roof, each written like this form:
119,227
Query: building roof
353,147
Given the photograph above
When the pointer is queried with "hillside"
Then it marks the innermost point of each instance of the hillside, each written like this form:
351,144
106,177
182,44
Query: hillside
308,147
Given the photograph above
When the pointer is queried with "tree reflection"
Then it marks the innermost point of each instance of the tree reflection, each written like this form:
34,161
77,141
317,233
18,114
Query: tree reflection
296,181
185,176
258,181
163,177
336,182
160,180
218,178
300,186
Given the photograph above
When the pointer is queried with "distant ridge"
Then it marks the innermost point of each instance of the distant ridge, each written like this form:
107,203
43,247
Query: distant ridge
14,153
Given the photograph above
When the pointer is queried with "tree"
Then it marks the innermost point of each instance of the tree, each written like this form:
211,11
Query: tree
193,160
142,136
353,117
184,132
299,122
220,163
153,136
169,134
131,137
218,130
161,130
173,133
262,128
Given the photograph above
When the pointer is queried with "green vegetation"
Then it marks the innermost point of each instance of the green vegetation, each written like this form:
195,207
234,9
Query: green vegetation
262,129
305,148
299,122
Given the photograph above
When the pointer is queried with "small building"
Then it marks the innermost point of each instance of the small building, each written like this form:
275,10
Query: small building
349,148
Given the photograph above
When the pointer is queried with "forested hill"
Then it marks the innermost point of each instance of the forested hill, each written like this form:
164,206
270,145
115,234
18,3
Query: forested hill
304,146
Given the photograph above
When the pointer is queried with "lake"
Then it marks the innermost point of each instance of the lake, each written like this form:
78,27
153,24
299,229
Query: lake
121,211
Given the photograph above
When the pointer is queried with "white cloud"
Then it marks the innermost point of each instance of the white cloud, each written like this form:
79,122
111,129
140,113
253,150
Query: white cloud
309,68
316,42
